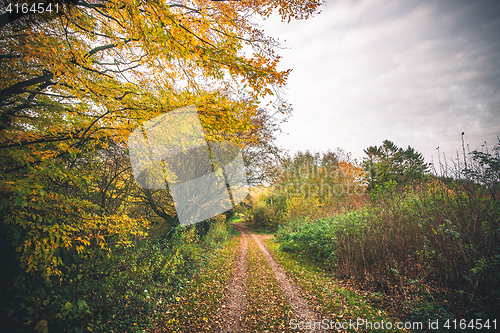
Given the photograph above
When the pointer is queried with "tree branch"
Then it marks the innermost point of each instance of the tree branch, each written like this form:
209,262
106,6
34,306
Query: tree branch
18,87
172,221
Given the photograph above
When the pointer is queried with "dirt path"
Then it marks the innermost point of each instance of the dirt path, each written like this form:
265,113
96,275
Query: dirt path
232,310
233,306
292,292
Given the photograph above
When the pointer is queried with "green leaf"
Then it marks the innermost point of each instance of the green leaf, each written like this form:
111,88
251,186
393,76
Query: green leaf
66,308
81,304
41,326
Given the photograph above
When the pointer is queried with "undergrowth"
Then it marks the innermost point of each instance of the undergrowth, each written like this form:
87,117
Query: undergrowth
436,246
120,291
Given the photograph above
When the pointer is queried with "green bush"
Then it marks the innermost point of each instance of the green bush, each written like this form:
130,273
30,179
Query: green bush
218,232
263,216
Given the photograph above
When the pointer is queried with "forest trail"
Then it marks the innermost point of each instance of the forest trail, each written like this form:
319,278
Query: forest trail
232,310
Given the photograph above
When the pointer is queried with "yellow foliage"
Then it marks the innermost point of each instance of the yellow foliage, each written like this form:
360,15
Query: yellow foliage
76,82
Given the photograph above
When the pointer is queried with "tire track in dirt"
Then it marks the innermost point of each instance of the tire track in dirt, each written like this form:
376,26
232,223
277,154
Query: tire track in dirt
231,312
292,292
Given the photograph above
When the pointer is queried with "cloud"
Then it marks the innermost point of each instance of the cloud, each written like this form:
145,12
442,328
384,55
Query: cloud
416,72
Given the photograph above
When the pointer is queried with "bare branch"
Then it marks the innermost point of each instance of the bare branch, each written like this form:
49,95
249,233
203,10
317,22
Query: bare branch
18,87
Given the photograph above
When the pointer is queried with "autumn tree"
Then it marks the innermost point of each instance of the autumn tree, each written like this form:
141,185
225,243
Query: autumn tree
323,176
76,80
314,184
263,158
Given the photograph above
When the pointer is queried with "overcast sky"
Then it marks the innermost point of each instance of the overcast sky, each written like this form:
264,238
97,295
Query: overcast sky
418,73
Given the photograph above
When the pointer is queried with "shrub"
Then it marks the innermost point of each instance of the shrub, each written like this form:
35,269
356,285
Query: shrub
120,291
218,232
263,216
447,235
